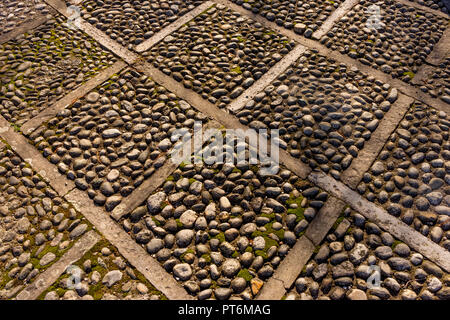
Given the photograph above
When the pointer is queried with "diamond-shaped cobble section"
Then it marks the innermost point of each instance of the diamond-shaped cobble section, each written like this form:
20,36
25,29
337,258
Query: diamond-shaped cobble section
13,13
223,229
103,275
219,54
304,17
132,22
355,255
111,140
396,42
324,111
36,225
40,67
410,178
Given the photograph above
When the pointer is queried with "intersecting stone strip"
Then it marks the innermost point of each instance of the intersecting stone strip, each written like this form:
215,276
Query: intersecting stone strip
49,276
206,107
150,185
335,16
23,28
397,83
99,36
267,78
441,49
70,98
291,266
378,215
144,46
128,248
353,175
31,155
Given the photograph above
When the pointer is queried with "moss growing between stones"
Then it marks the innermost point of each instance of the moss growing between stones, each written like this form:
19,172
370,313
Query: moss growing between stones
245,274
237,70
220,237
410,74
207,258
396,243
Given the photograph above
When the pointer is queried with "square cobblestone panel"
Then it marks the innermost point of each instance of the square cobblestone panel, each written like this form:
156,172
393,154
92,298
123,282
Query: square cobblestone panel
36,226
219,54
324,111
340,268
39,67
222,229
397,42
102,274
111,140
15,12
132,22
304,17
411,176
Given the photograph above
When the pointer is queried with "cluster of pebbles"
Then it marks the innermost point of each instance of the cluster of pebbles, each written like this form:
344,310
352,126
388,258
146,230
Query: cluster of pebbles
115,137
15,12
219,54
223,229
36,225
411,176
434,4
396,41
324,111
359,261
102,274
304,17
131,22
437,81
40,67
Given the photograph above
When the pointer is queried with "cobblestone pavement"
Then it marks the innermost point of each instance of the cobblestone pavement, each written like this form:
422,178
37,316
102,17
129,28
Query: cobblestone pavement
95,95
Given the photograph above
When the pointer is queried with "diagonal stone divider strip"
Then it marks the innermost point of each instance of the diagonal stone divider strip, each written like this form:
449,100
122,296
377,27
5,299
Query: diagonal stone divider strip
49,276
292,265
99,36
23,28
422,7
384,220
353,174
128,248
405,88
441,49
31,155
71,97
337,14
144,46
142,192
227,120
267,78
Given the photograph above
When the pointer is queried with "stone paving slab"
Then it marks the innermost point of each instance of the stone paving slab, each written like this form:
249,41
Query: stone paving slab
397,44
102,274
115,137
324,110
219,54
132,22
40,67
303,17
223,229
410,176
36,226
13,13
340,268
